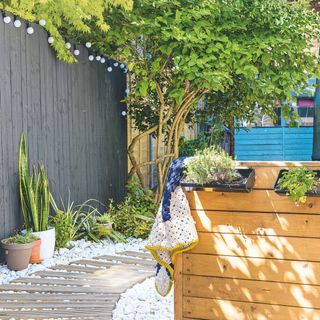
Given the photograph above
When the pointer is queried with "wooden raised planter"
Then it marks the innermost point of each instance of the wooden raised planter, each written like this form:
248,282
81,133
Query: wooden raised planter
258,255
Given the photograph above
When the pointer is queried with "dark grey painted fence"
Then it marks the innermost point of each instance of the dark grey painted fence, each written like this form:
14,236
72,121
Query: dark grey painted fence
71,115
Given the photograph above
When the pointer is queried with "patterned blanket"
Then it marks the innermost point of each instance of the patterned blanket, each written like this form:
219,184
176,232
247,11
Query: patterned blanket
174,229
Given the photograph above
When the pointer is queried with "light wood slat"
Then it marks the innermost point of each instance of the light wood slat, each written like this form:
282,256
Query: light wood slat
57,297
299,225
256,200
143,255
252,268
111,282
102,263
77,268
56,305
178,287
211,309
73,314
66,275
127,260
258,246
62,289
295,295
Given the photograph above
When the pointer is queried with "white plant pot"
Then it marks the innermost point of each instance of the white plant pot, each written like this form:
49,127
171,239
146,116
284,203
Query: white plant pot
48,240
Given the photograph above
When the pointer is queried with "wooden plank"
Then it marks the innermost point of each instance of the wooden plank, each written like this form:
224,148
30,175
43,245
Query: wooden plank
55,305
256,200
57,297
93,314
93,283
295,295
292,248
127,260
77,268
178,288
202,308
61,289
252,268
257,223
136,254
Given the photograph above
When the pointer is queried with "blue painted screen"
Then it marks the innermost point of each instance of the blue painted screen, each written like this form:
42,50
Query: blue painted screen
274,143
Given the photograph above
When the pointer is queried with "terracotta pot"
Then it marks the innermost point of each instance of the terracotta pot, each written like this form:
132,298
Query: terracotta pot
17,255
35,254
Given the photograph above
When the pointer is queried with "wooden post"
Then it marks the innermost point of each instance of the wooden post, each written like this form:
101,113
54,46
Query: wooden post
178,289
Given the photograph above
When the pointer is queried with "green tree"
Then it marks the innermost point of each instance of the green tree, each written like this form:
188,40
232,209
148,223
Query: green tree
182,50
66,16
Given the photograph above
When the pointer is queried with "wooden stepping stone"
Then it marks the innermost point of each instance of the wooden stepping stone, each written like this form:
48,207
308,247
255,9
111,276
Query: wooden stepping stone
86,289
127,260
56,297
77,268
142,255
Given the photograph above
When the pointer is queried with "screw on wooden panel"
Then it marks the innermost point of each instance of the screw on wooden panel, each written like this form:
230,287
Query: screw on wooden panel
188,300
188,278
189,291
310,205
307,221
187,257
225,267
188,270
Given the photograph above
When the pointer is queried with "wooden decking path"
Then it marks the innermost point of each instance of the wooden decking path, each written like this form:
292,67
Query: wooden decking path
84,289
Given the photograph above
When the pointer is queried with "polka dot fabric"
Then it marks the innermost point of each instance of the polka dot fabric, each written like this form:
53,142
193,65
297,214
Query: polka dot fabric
171,237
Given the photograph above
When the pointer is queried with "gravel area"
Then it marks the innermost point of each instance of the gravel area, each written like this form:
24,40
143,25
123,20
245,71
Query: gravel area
142,302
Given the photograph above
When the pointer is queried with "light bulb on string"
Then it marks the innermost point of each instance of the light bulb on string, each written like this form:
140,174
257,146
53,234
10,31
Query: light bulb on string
17,23
6,19
122,66
116,63
109,67
30,30
91,57
103,60
68,45
98,58
50,40
127,91
42,22
88,45
123,113
125,70
76,52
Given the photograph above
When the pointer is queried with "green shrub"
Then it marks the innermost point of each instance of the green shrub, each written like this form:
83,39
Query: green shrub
63,223
188,148
134,217
298,182
211,165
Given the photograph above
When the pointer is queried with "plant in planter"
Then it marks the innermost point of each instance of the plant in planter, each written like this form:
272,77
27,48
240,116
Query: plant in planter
298,183
213,167
34,196
18,249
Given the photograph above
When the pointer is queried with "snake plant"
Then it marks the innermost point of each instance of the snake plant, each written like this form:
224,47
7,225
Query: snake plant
34,192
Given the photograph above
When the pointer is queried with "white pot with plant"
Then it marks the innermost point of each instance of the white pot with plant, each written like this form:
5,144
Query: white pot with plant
35,204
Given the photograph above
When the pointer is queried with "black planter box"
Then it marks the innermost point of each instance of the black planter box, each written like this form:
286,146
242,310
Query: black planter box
285,192
245,186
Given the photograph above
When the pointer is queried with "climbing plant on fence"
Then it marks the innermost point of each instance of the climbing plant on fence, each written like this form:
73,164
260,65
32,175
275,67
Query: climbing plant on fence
66,17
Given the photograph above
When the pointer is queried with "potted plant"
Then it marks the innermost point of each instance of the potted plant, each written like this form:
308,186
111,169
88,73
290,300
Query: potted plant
214,168
18,249
298,183
34,196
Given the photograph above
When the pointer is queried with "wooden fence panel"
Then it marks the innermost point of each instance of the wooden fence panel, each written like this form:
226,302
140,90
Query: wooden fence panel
71,115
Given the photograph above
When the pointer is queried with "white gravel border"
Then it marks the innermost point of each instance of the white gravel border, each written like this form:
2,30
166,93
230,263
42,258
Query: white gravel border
142,302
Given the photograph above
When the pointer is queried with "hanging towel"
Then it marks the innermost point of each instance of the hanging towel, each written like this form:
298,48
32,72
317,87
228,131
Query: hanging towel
174,229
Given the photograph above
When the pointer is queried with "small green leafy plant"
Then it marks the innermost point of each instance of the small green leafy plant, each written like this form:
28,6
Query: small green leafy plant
298,182
82,222
63,222
212,164
134,217
22,238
